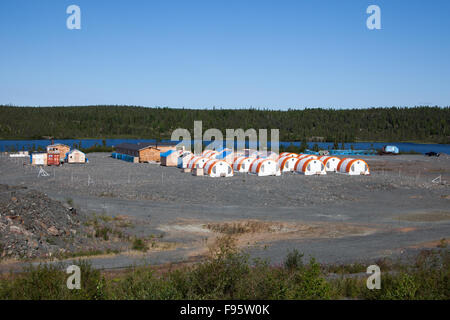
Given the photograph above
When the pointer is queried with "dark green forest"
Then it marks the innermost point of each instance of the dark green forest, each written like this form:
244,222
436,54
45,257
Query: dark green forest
418,124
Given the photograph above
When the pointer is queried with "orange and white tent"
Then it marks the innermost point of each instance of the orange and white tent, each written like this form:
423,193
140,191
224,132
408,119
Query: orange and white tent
197,162
271,155
310,166
218,168
211,154
330,162
252,154
287,154
184,160
264,167
242,164
287,163
307,156
353,167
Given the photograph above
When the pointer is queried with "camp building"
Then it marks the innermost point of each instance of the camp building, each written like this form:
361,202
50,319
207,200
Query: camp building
145,152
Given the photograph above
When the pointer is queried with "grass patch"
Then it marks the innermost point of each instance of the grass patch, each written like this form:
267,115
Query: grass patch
102,232
242,227
139,245
229,274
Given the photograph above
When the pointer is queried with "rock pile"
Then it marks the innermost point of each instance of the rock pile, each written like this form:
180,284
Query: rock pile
33,225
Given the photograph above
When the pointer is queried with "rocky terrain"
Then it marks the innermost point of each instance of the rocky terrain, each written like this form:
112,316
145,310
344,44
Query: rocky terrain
34,226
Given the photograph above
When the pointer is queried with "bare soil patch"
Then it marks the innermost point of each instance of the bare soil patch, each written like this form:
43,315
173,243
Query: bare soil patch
426,217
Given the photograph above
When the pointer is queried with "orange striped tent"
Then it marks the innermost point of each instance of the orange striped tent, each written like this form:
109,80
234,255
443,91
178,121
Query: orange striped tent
330,162
211,154
310,166
218,168
353,167
242,164
252,154
264,167
307,156
184,160
287,163
270,155
197,162
287,154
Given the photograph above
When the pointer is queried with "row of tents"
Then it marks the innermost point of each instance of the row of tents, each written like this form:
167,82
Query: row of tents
225,162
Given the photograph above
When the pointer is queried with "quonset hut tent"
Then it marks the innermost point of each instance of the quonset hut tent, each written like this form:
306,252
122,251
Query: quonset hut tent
210,154
264,167
307,156
184,159
330,162
242,164
287,154
310,166
353,167
218,168
226,155
197,162
268,155
287,163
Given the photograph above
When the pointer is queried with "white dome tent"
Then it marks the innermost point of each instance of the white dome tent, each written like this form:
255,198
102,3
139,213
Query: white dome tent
287,163
269,155
218,168
353,167
197,162
308,156
287,154
310,167
264,167
184,159
330,162
252,154
242,164
211,154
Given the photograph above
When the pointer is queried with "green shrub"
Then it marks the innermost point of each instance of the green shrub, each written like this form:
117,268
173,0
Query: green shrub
139,244
294,260
49,282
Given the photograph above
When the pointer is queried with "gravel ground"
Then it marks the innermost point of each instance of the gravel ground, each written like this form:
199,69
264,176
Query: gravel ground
395,202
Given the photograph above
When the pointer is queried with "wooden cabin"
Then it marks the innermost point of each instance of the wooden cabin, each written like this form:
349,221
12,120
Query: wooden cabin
60,148
145,152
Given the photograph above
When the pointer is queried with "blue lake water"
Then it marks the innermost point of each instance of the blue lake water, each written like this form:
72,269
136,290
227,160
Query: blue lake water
8,145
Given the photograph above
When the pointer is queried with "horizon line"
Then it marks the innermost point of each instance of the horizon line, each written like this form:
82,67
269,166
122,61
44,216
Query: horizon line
225,108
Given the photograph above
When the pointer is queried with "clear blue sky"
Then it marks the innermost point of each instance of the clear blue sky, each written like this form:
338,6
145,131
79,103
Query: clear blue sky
225,53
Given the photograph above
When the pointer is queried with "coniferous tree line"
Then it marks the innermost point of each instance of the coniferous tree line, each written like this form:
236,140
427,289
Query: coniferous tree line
419,124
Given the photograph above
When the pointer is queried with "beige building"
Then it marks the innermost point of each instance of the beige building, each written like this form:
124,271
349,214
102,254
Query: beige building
145,152
76,156
169,158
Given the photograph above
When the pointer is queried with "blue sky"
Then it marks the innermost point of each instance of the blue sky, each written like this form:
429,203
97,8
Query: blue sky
225,53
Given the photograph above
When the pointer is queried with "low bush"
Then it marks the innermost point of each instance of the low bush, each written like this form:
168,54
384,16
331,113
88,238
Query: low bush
229,274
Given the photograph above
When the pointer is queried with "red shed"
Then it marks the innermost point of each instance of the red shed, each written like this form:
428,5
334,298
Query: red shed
53,159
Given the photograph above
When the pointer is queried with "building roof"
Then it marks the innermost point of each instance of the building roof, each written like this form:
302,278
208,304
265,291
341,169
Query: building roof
167,153
74,150
57,144
144,145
